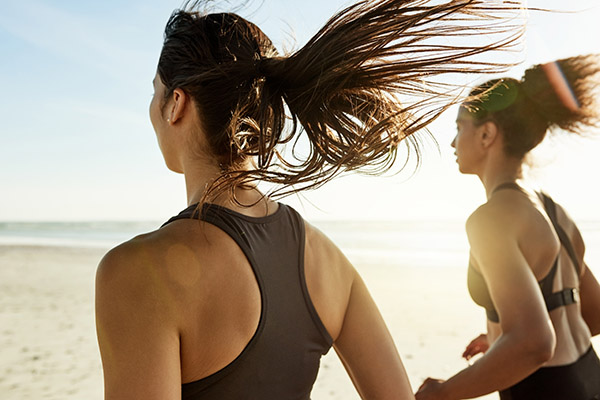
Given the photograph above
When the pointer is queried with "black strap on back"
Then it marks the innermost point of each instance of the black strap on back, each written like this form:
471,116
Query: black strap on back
550,207
569,295
563,297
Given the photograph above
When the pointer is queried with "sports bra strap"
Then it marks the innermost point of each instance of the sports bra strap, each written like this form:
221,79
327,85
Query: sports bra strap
562,298
550,207
547,283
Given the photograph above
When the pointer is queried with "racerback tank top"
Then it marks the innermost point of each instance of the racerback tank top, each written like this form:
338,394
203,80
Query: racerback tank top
282,359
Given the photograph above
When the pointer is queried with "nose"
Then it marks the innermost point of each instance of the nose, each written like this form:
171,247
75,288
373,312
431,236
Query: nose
453,144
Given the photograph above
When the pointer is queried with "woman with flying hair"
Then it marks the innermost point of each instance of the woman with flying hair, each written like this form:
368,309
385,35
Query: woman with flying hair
527,265
237,297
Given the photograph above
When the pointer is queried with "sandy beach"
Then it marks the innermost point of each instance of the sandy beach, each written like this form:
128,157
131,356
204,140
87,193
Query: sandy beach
48,345
47,330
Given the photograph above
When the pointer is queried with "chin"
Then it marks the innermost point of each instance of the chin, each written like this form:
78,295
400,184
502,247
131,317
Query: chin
464,170
174,167
467,172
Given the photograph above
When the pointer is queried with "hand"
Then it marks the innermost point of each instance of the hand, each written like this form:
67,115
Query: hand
431,389
478,345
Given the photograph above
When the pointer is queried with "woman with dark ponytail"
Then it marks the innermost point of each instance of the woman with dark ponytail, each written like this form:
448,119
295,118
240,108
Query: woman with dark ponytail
237,297
526,264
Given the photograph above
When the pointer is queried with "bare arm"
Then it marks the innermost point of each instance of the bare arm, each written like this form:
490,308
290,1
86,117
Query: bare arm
367,350
588,285
361,338
527,340
138,341
590,300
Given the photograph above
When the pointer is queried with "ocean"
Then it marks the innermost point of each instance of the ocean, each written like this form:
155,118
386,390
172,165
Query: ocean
100,234
425,243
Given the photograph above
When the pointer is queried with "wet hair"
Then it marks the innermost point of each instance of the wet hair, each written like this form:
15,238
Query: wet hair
340,91
558,95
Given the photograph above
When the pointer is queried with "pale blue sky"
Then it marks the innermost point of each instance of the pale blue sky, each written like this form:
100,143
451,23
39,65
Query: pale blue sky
76,142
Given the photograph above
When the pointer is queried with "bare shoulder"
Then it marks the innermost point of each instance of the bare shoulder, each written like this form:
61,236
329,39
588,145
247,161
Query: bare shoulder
321,250
492,220
479,218
494,231
126,280
317,240
506,212
161,252
138,322
130,261
151,269
329,278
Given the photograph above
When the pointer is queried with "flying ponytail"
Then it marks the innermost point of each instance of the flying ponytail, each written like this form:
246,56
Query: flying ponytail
343,89
564,92
560,95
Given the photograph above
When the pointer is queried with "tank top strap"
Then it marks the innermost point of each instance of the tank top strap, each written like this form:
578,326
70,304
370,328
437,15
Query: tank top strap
191,212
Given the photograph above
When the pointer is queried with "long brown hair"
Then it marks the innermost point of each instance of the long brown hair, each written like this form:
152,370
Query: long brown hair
341,89
558,95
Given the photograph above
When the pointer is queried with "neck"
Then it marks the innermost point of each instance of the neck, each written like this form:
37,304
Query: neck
200,174
500,170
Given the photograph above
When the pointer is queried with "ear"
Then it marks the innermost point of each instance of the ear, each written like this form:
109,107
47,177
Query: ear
178,106
489,134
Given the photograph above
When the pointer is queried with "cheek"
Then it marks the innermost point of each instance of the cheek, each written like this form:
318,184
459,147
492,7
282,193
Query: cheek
153,111
157,120
464,141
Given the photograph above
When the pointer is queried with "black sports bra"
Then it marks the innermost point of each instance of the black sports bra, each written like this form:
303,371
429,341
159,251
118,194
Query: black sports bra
478,288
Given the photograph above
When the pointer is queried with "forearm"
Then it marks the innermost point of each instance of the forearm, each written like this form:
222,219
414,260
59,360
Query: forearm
368,352
504,364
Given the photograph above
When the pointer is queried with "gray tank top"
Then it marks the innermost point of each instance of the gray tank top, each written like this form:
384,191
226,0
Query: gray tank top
282,359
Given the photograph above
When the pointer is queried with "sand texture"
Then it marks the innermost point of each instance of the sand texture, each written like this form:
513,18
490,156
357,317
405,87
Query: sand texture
48,345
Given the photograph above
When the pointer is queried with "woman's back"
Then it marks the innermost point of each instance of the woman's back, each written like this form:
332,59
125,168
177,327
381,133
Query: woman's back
252,303
549,262
247,324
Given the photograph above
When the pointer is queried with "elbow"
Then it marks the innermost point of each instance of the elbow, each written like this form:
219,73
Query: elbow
533,345
545,352
540,346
